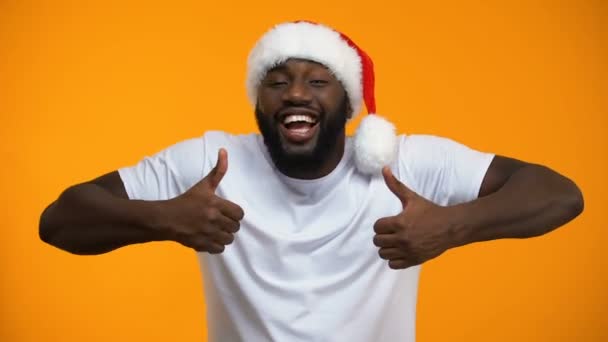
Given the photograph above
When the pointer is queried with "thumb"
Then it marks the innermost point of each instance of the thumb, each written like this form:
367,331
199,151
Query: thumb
214,177
396,187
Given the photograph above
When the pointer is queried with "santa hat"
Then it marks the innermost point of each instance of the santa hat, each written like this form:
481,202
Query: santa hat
375,140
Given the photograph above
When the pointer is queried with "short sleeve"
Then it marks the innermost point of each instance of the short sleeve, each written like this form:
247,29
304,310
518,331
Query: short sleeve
442,170
166,174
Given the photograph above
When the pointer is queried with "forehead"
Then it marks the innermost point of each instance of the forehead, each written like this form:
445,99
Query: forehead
298,64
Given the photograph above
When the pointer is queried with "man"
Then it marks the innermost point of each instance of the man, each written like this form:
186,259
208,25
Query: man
305,234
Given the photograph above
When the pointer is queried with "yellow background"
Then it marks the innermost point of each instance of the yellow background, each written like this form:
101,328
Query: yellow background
89,86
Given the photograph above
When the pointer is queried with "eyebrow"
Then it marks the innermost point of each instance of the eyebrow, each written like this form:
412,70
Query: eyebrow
280,67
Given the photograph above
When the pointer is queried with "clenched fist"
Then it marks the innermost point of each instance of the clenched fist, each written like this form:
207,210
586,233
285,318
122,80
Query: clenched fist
199,218
422,231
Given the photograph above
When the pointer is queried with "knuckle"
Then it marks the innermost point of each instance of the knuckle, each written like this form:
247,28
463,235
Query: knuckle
212,201
205,229
212,215
404,242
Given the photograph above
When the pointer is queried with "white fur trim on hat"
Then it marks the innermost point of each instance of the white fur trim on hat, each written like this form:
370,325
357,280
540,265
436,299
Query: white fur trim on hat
375,144
309,41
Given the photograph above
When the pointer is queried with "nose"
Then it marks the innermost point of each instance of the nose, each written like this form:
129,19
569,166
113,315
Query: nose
297,92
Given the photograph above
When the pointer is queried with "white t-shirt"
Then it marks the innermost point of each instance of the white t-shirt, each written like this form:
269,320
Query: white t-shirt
303,266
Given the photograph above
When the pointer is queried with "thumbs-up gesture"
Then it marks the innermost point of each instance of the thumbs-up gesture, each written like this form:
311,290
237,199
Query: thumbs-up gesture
199,218
417,234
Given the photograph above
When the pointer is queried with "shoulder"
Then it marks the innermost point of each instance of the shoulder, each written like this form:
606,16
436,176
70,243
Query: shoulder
441,168
225,138
420,160
244,150
233,143
427,148
421,151
413,144
189,155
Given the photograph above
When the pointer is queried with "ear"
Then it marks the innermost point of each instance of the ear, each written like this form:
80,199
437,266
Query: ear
349,108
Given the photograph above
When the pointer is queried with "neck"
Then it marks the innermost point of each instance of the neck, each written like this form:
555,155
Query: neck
316,170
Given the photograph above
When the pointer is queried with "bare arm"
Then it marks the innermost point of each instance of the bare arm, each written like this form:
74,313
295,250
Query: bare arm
517,200
97,216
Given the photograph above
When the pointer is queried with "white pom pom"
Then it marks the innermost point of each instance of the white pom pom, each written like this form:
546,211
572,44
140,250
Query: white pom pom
375,144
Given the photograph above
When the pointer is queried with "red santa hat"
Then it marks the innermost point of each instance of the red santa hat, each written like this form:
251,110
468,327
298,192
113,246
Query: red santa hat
375,141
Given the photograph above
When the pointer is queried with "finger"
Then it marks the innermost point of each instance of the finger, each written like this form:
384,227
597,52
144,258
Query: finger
384,225
214,177
230,209
396,187
390,253
385,240
399,264
227,224
222,238
215,248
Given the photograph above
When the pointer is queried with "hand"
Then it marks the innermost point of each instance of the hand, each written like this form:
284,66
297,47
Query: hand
199,218
422,231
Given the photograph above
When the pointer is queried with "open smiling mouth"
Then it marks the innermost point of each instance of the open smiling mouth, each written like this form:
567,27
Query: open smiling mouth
299,128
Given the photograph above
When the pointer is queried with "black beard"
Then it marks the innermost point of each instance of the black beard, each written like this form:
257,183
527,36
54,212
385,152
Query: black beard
331,128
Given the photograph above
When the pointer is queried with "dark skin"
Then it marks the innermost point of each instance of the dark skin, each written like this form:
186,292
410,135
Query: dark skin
516,199
309,87
97,217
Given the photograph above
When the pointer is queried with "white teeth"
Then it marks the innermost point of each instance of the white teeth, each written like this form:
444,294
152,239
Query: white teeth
303,130
295,118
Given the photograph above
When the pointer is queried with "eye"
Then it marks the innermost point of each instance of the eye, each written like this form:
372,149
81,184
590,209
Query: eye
275,83
319,82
